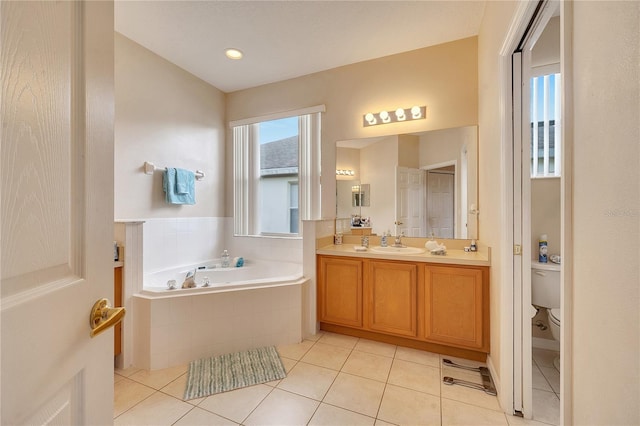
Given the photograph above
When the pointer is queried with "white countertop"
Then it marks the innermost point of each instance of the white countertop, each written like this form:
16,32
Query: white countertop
453,256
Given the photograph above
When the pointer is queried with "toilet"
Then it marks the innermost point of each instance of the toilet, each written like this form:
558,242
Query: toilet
545,293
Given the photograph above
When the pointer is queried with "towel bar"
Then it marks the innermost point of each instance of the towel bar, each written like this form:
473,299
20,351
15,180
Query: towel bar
149,168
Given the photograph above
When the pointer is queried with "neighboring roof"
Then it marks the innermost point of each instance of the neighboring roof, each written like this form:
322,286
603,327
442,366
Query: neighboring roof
552,135
279,157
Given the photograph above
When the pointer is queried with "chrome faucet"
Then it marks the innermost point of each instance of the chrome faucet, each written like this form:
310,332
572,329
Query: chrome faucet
398,240
190,279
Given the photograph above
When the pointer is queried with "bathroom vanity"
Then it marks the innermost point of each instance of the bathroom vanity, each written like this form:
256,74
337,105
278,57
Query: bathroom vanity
423,301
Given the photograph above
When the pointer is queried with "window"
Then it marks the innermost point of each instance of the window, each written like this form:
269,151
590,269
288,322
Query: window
276,174
278,161
545,126
294,217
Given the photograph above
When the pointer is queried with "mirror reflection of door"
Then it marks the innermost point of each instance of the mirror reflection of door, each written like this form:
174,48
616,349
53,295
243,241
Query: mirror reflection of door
441,202
410,202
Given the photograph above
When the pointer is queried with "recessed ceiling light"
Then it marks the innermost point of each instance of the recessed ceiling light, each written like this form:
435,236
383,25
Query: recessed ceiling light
233,54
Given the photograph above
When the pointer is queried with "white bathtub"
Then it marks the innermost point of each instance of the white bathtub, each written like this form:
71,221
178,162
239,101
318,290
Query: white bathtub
259,304
254,274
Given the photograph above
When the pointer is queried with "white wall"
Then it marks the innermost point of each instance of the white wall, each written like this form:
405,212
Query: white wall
409,151
446,146
547,48
495,24
605,357
171,118
346,159
606,206
378,168
545,214
443,77
545,192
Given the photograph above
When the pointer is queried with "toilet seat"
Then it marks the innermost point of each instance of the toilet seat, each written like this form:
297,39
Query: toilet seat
554,315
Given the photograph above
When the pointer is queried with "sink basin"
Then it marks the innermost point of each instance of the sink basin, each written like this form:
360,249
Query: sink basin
397,250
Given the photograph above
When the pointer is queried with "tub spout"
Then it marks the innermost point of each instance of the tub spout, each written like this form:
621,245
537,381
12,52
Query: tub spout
190,280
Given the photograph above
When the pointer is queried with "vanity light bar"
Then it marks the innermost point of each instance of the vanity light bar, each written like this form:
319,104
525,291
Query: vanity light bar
385,117
345,172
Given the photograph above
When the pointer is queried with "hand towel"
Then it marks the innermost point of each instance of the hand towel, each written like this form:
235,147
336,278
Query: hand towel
172,196
185,181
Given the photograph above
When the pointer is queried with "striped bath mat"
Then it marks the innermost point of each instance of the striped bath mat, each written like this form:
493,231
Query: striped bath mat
223,373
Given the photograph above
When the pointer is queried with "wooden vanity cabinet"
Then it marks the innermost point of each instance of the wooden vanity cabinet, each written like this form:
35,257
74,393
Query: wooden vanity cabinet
439,308
340,291
456,306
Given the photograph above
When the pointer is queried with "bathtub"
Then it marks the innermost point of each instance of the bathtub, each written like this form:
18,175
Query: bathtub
254,274
256,305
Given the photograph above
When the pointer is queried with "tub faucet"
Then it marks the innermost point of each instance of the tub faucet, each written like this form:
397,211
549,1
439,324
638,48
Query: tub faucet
190,279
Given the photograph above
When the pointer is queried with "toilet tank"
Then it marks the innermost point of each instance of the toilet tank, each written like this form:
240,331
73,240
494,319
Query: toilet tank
545,284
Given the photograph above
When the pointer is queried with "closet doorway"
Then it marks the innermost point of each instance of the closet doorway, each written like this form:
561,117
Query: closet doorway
538,151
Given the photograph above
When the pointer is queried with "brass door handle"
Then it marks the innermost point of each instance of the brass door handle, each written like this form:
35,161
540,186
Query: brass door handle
104,316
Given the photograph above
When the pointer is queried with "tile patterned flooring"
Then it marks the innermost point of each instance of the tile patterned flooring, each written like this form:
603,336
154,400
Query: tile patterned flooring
546,387
331,380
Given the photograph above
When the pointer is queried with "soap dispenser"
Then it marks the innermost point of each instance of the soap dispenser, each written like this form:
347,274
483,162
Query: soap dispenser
383,240
226,262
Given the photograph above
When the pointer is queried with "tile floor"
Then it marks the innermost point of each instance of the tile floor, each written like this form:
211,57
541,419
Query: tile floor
331,380
546,387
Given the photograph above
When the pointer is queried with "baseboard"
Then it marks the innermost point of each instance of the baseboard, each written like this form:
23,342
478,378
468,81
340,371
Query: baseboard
540,343
496,381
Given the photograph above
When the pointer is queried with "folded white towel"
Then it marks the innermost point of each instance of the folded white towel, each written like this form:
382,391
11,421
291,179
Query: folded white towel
431,245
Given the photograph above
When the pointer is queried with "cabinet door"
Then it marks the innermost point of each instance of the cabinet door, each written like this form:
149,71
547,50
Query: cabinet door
340,291
454,311
392,293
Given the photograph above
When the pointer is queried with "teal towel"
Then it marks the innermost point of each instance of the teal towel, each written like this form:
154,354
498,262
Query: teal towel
174,181
185,181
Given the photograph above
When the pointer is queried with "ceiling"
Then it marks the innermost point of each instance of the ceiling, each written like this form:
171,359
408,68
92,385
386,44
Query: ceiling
287,39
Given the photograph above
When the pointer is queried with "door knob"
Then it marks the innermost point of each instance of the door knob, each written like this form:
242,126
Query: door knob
104,316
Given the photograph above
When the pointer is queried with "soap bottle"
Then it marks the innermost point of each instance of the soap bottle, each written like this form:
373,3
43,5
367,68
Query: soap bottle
225,259
542,249
474,246
383,240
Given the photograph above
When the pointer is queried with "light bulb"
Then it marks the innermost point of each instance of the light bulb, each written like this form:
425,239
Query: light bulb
400,114
371,119
384,116
416,112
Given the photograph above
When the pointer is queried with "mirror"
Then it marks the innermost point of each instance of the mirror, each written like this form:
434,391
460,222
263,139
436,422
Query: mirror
360,195
421,184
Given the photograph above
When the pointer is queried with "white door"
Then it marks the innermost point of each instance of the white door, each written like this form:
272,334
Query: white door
522,309
440,204
57,210
410,218
522,364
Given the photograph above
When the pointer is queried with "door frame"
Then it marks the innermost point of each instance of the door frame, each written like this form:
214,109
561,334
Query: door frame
512,315
522,15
